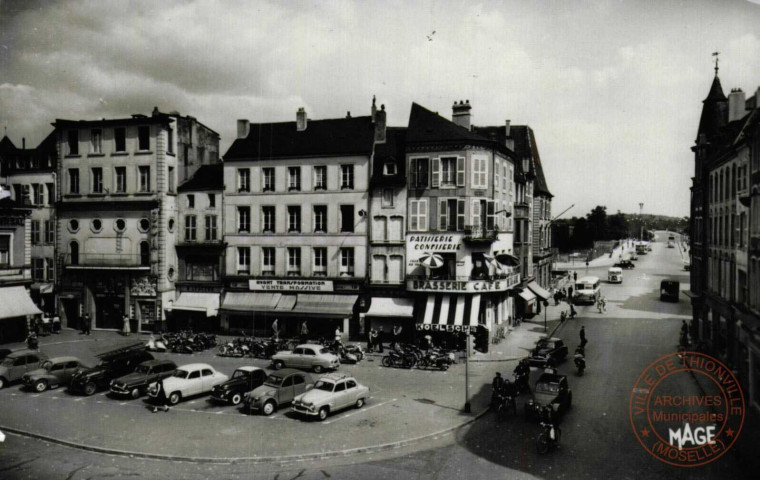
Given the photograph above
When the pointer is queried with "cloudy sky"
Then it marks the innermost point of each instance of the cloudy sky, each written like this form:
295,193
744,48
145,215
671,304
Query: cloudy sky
613,89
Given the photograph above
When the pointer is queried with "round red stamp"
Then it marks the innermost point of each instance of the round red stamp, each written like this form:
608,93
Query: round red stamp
687,409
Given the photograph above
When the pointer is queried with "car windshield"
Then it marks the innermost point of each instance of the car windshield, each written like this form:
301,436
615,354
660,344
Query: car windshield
241,373
143,369
547,387
47,365
326,386
273,381
180,374
543,344
324,350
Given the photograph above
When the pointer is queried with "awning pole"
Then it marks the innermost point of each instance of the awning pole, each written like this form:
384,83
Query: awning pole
467,406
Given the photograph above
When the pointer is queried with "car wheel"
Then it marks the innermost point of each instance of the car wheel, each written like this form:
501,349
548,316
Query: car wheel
40,386
360,403
323,413
135,393
269,408
2,383
174,398
318,369
278,364
236,399
90,389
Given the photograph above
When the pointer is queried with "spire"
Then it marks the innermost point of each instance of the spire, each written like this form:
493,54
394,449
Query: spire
714,108
716,54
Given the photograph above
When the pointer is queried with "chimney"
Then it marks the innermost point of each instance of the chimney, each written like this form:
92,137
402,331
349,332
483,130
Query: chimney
374,109
507,127
301,119
461,114
348,114
736,104
244,127
23,143
380,125
509,142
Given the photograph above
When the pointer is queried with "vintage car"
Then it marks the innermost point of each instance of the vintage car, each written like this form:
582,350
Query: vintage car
625,264
135,384
242,381
331,393
633,256
16,364
53,373
306,357
187,381
113,364
615,275
669,290
551,389
548,350
280,388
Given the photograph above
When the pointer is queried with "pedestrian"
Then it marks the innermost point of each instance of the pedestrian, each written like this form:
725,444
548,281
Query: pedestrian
87,324
126,330
56,323
338,335
556,298
583,337
304,332
570,294
371,340
380,338
396,335
603,301
162,400
276,329
575,276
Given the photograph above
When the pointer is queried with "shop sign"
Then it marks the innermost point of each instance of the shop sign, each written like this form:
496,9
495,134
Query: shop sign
436,327
291,285
457,286
435,243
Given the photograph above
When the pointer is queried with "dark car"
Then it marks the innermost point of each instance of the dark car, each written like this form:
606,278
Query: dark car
548,350
113,364
552,390
625,264
135,384
669,290
242,381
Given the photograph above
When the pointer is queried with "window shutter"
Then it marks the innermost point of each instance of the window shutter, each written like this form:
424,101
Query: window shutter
413,211
460,172
442,215
423,215
460,214
490,212
475,213
413,172
436,181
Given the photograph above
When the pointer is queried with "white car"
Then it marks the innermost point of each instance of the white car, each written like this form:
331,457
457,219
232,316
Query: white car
187,381
331,393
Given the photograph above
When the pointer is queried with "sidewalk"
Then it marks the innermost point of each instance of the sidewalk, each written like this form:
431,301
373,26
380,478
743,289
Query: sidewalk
603,261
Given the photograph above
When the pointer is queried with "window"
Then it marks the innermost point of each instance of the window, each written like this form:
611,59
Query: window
120,225
244,261
143,138
171,184
143,225
50,194
170,135
418,172
346,261
96,141
244,219
49,232
96,225
320,262
38,193
479,172
212,200
38,269
170,225
190,228
144,172
294,261
120,174
346,176
267,219
50,269
389,168
73,142
320,218
267,261
294,178
418,215
74,180
347,218
73,225
267,176
244,179
73,252
35,232
387,200
120,139
97,180
320,177
191,201
294,218
451,214
448,172
210,227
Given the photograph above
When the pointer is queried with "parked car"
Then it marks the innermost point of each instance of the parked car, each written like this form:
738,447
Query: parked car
546,349
625,264
669,290
135,384
187,381
306,357
113,364
242,381
53,373
280,388
551,389
331,393
16,364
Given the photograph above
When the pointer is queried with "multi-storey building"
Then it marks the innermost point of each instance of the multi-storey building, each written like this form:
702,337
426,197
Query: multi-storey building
117,183
200,251
30,175
721,224
460,223
296,223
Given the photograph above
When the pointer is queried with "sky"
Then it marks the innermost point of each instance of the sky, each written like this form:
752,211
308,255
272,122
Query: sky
613,89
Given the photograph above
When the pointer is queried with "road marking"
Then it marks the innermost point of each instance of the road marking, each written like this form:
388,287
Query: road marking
366,409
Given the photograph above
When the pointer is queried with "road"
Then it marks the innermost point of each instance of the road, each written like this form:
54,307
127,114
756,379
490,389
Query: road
597,440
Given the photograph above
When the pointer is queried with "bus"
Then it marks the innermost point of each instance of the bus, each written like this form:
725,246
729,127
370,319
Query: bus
641,248
586,290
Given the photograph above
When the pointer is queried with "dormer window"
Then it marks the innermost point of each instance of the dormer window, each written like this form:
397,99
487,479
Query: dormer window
389,168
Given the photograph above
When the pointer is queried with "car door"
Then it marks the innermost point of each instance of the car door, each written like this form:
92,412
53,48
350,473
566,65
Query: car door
309,358
339,395
59,371
194,383
295,359
209,379
352,392
286,392
19,368
299,384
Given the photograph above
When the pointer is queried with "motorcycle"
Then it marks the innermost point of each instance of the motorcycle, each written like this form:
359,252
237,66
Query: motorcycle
580,363
504,403
396,359
548,439
435,359
155,345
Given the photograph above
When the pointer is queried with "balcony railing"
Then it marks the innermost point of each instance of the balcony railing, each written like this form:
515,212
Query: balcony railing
479,234
108,260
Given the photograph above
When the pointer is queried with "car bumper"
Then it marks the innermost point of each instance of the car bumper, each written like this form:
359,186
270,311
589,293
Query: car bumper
304,410
122,390
221,397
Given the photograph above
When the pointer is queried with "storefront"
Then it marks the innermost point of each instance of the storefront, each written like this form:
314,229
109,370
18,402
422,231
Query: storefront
196,311
386,313
16,309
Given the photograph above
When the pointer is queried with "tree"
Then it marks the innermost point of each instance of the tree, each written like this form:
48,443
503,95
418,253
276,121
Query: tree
617,226
597,223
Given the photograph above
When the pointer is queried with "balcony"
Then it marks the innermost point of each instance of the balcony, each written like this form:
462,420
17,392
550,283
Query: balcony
108,260
479,234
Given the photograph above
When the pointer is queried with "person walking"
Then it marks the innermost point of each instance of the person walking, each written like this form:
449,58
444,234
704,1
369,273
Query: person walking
583,337
570,294
380,338
575,276
304,332
396,335
87,324
276,329
126,328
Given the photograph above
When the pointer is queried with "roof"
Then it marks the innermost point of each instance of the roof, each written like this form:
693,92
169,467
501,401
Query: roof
393,151
64,359
157,361
248,368
7,146
330,137
207,177
283,372
428,127
194,366
161,118
714,111
541,186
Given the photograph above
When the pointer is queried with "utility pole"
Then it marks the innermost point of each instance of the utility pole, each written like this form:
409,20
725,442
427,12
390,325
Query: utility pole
641,219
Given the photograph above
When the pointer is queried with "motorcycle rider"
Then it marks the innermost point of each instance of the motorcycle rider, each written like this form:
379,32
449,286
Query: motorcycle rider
522,374
580,360
31,341
497,386
509,392
548,419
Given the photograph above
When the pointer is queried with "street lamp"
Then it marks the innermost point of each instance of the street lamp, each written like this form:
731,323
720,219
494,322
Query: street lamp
641,219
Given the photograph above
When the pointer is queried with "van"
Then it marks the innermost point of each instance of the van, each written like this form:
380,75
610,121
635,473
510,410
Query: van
615,275
669,290
586,290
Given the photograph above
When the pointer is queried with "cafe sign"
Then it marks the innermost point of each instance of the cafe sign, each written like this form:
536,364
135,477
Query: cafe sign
460,286
291,285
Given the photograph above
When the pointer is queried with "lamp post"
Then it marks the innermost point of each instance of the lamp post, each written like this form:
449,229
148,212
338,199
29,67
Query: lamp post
641,219
467,405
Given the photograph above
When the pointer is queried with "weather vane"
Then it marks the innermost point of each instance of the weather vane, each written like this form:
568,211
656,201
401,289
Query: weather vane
715,54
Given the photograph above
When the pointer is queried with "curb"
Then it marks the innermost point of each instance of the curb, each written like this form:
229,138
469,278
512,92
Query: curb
247,460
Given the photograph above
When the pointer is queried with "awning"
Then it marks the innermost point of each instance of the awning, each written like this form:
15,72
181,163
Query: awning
43,288
507,259
337,305
198,302
258,302
527,295
15,302
450,313
539,290
391,307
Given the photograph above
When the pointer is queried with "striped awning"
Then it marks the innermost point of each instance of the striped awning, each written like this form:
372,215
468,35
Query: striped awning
450,313
527,295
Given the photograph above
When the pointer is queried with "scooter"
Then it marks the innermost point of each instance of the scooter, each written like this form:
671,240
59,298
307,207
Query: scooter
580,363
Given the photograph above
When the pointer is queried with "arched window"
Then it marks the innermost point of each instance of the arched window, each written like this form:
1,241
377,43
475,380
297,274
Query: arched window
144,254
74,253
